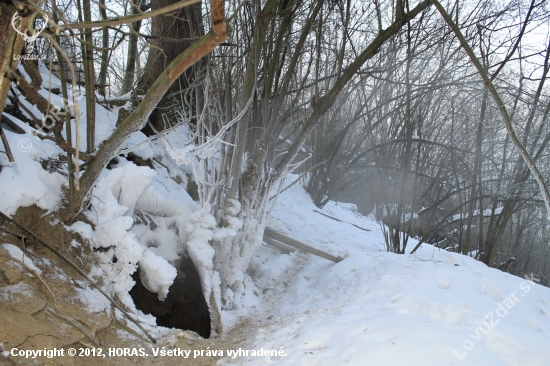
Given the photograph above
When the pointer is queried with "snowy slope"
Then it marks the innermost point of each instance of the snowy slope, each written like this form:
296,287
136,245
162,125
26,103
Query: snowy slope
373,308
125,200
379,308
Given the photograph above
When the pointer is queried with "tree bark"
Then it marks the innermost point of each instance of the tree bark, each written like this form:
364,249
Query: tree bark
11,44
102,80
89,78
474,188
129,72
174,33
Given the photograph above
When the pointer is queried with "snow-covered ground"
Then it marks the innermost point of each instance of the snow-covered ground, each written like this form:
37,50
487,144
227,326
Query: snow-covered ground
372,308
380,308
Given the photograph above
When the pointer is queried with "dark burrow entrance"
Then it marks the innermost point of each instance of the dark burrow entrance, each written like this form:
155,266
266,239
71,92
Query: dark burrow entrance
184,308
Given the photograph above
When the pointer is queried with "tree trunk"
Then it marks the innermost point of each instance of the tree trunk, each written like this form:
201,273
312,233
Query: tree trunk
129,72
474,188
11,44
102,80
173,33
89,78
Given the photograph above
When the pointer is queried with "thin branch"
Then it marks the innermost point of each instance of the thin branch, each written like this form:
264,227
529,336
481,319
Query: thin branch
80,271
76,325
502,108
6,145
298,179
37,275
127,19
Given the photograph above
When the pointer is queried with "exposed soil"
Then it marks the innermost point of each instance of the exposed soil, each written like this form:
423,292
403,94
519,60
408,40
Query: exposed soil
44,311
32,319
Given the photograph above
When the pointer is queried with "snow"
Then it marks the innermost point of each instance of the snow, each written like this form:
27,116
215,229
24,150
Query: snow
139,145
94,301
18,254
198,232
2,351
85,230
24,182
127,183
19,288
161,241
121,194
372,308
486,213
380,308
156,274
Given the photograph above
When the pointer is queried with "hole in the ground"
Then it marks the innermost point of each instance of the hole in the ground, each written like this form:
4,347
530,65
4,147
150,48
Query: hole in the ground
184,308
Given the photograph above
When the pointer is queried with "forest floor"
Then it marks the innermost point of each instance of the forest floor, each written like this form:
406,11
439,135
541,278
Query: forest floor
373,308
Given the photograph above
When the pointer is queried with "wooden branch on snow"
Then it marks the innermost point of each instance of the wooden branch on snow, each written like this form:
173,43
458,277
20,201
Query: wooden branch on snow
335,219
278,245
287,244
6,145
6,119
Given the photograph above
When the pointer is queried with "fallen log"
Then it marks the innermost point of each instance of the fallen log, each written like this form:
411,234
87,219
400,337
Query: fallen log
287,244
12,126
283,248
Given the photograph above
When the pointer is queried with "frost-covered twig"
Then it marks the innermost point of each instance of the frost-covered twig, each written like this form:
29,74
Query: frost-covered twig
225,128
200,122
157,135
292,167
298,179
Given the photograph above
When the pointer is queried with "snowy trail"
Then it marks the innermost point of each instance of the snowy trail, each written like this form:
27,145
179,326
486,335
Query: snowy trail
378,308
273,274
245,325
